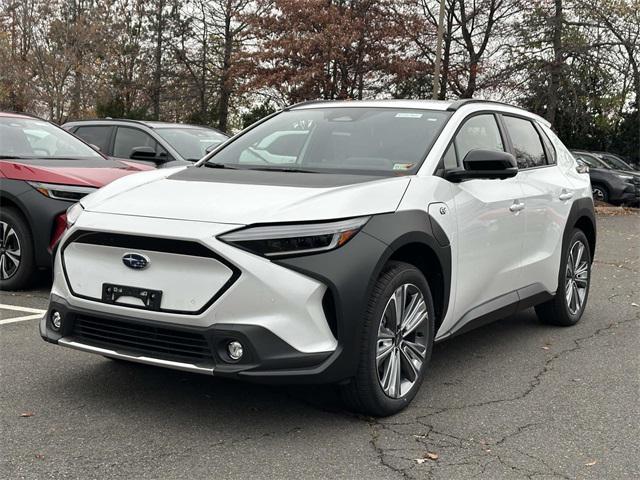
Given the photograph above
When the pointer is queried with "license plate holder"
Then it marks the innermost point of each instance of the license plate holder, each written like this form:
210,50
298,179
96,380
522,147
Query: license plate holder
112,292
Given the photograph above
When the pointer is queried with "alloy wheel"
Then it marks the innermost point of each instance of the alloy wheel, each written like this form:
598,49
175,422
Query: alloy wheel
401,346
598,194
10,253
577,277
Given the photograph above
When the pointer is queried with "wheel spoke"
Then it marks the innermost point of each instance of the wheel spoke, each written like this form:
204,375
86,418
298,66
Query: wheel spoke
397,379
3,267
14,259
578,256
576,296
569,293
570,263
3,227
582,269
412,362
385,347
417,348
399,297
413,321
391,378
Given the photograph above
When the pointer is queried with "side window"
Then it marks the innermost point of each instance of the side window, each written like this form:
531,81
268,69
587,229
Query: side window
526,142
450,160
128,138
551,150
480,132
98,135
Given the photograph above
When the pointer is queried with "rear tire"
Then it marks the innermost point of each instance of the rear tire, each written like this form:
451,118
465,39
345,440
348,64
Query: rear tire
393,358
17,263
570,301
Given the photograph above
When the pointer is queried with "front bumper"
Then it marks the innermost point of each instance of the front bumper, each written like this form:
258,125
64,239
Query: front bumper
191,349
628,193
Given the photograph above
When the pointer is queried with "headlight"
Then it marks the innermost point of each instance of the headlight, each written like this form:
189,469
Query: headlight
73,212
626,178
281,240
71,193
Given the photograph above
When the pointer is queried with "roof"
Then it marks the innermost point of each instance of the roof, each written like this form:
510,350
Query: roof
390,103
442,105
14,115
147,123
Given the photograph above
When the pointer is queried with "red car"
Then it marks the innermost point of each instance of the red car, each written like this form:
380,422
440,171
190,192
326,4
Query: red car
43,171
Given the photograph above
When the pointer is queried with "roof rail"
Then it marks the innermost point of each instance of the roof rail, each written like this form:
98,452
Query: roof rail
108,119
456,104
306,102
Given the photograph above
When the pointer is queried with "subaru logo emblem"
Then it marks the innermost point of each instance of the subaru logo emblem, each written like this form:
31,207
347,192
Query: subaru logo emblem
135,261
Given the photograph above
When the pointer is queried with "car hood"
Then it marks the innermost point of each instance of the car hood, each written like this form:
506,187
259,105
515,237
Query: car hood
246,197
611,171
68,172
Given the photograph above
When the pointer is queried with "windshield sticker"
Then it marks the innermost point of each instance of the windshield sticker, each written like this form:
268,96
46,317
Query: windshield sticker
408,115
403,166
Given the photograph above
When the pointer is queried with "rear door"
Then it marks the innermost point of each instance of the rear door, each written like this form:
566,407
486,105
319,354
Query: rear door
490,228
547,195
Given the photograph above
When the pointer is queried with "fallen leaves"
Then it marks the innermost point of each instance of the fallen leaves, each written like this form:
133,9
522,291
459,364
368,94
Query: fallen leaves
428,456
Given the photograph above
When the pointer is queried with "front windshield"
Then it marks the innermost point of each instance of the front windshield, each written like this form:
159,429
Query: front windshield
383,141
615,162
591,161
192,143
33,138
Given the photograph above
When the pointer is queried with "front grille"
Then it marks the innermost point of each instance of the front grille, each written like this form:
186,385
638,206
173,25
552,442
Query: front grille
156,341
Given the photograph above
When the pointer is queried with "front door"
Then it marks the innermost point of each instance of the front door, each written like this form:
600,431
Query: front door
491,229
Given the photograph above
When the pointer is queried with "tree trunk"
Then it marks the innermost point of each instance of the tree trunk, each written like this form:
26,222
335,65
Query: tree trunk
157,73
225,88
556,65
446,56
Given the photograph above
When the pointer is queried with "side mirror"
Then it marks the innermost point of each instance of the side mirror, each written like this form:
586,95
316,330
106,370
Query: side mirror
95,147
143,153
484,164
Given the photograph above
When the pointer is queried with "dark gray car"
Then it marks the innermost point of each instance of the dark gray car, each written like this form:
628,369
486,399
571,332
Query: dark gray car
159,144
608,184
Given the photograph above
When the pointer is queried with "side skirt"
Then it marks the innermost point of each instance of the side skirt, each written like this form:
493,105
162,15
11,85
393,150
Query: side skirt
499,308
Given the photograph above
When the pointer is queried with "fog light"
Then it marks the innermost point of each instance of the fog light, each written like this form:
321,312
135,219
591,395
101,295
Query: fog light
56,320
234,349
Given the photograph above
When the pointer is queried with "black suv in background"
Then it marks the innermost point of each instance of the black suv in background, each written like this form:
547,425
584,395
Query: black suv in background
609,184
158,144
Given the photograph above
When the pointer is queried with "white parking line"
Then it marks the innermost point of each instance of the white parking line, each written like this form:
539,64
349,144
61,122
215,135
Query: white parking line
35,313
21,319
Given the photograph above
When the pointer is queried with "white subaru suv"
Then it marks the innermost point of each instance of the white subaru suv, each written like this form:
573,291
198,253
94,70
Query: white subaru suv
332,242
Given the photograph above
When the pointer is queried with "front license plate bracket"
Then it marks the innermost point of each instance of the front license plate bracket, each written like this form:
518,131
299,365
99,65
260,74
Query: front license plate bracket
151,299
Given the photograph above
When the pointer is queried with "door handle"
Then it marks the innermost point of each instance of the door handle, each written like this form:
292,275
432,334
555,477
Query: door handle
566,196
516,207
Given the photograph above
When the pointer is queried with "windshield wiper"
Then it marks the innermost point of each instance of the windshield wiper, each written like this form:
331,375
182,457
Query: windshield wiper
13,157
219,165
283,169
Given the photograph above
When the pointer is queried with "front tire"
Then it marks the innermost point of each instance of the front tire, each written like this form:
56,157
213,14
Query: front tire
396,345
600,193
16,250
568,305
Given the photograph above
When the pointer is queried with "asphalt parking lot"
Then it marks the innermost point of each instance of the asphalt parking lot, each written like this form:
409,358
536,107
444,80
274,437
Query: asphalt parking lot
515,399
